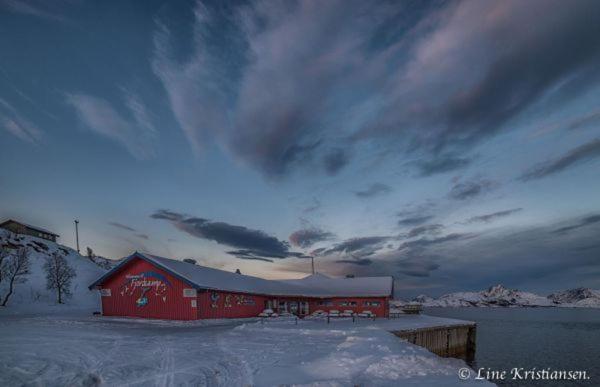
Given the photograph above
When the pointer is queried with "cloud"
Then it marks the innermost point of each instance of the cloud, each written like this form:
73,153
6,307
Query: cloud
14,123
427,229
586,120
41,9
417,267
314,206
199,89
432,81
469,189
414,220
416,214
335,160
360,246
137,134
142,236
586,221
486,218
442,164
122,226
249,255
359,262
423,242
576,156
494,65
167,215
375,189
307,237
250,244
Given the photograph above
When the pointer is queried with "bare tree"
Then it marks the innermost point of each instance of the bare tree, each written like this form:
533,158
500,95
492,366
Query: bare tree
190,260
4,254
59,275
15,269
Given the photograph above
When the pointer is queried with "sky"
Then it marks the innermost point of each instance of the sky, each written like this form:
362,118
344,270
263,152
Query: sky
452,144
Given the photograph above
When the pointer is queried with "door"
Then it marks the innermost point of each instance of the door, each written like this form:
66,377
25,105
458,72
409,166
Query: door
294,307
303,308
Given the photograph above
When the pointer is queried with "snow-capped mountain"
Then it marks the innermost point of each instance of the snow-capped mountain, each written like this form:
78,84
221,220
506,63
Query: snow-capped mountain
423,299
499,296
579,297
32,295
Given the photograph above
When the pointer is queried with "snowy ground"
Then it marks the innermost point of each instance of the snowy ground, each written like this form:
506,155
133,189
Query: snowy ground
81,350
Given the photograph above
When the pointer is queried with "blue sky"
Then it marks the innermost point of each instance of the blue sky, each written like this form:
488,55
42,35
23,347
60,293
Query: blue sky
452,144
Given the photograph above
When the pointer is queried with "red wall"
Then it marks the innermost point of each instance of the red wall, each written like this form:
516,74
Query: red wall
169,303
379,311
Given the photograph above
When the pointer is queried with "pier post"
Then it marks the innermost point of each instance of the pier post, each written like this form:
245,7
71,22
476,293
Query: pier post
471,344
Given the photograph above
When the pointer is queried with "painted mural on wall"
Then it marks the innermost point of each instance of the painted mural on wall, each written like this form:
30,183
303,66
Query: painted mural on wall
214,298
244,300
231,299
145,284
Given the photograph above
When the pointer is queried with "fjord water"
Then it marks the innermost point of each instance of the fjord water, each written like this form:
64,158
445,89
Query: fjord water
556,338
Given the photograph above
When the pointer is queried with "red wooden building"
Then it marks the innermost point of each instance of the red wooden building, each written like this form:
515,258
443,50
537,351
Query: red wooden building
144,285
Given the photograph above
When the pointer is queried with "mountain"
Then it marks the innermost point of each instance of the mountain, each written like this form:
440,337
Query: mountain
499,296
32,295
579,297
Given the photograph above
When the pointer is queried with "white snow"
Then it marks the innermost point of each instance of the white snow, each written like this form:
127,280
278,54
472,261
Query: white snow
85,350
315,286
32,296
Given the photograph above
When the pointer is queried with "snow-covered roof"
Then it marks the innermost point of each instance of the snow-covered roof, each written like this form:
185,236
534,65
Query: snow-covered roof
316,285
36,228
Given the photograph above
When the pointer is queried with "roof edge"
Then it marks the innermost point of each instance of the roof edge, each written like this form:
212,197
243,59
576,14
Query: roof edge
143,257
43,230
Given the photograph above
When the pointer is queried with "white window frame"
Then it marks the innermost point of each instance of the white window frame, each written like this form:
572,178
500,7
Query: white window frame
189,293
105,292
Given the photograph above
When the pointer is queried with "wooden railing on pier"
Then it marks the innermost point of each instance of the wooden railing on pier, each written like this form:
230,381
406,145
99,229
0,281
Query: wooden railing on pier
446,341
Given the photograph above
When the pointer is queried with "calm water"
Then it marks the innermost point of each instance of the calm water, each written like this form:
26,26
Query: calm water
561,339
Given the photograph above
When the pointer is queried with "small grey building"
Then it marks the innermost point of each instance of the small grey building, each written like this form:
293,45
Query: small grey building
22,228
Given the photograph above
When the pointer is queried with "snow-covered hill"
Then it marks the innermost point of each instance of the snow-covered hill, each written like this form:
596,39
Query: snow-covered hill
499,296
579,297
32,295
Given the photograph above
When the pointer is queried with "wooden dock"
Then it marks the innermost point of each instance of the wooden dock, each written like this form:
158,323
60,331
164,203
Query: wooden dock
446,341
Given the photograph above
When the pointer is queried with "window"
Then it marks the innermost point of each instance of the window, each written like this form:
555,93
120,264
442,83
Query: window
105,292
189,292
343,303
282,307
194,304
352,303
325,303
372,303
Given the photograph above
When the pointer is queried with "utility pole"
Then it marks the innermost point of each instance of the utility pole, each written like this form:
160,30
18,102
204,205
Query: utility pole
312,263
77,233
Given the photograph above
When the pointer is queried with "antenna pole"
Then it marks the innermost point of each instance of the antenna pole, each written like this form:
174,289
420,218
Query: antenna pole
77,233
312,264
